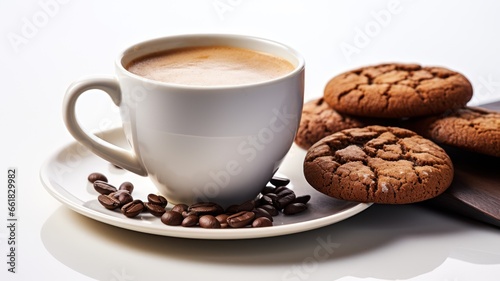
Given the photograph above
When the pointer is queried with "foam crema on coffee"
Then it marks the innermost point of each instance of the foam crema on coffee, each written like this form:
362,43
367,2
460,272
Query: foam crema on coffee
210,66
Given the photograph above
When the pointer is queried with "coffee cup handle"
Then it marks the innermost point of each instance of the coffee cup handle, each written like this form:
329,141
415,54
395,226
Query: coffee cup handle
106,150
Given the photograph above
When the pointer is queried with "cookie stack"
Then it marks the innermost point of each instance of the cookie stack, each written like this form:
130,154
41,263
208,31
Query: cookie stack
372,136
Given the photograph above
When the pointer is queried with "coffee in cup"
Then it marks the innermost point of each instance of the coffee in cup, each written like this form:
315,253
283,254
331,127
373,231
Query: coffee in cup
210,66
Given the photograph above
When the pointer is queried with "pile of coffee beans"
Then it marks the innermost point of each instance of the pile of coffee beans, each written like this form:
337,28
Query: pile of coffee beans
274,199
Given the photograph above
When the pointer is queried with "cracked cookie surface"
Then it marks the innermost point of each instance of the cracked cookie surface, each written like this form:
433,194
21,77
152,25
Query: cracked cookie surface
320,120
378,164
397,90
470,128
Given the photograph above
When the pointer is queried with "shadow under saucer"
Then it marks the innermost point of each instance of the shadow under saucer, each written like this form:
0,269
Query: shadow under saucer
411,239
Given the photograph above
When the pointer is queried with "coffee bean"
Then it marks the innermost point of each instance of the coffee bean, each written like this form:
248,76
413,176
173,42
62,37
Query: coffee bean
273,196
279,181
259,212
109,203
262,222
267,189
209,221
233,209
282,202
187,213
133,208
256,213
123,196
294,208
103,187
97,176
190,220
302,199
285,197
127,186
267,199
171,218
281,189
154,209
246,206
157,199
240,219
206,208
180,208
222,219
270,209
257,203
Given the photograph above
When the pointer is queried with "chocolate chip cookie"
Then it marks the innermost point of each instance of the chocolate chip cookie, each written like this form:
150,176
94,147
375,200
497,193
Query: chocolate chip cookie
320,120
378,164
471,128
397,90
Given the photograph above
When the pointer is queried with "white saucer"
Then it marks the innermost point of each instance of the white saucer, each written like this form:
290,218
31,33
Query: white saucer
64,175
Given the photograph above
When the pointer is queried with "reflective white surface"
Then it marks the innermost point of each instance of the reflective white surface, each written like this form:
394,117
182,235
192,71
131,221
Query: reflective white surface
77,38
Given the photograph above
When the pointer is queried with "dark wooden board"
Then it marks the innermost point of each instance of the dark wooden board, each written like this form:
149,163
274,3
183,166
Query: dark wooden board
475,190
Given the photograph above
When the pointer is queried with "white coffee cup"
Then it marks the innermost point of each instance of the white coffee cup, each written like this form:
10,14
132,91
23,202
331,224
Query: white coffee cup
198,143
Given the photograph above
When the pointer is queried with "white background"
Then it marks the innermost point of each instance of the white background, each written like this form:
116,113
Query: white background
47,44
